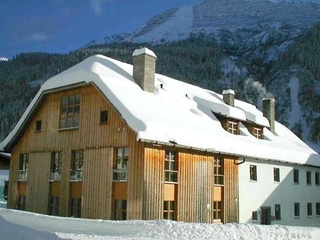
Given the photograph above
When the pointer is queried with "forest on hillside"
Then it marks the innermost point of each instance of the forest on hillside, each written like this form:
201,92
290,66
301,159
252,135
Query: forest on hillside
200,62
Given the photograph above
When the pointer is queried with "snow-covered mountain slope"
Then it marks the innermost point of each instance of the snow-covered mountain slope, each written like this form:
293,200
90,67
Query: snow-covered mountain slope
252,21
3,59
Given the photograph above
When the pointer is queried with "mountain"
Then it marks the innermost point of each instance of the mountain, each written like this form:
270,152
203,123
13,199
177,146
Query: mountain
3,59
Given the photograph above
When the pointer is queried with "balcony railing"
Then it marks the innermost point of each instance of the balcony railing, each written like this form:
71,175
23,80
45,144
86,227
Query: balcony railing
22,175
120,174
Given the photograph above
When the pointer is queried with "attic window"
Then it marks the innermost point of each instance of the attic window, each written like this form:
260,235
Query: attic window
38,127
104,116
69,111
233,127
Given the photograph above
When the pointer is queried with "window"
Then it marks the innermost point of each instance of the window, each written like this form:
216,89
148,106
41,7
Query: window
217,209
104,116
296,176
38,126
309,209
253,172
21,204
54,206
254,215
23,167
317,178
218,171
168,210
120,169
276,174
75,207
170,166
257,132
277,212
232,127
120,210
69,111
76,166
308,177
297,209
55,166
318,209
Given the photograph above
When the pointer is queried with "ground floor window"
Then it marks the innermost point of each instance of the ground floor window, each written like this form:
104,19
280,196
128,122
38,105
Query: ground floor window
168,210
21,205
254,215
297,209
120,209
217,208
309,209
54,206
277,212
318,209
75,207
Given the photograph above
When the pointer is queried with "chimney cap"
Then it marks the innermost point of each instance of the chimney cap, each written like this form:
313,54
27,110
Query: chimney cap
144,50
268,99
228,91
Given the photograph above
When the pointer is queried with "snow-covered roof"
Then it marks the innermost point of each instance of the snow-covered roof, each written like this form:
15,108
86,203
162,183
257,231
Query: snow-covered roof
6,155
178,113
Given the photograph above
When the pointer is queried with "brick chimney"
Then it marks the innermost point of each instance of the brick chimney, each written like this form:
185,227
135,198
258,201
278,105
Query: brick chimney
144,68
228,97
269,112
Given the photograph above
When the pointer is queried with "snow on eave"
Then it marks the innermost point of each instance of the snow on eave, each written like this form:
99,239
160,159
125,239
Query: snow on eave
6,155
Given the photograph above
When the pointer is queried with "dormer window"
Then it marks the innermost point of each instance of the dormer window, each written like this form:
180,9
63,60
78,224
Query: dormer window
257,132
233,127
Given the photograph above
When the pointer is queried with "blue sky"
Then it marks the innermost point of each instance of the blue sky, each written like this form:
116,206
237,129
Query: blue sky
65,25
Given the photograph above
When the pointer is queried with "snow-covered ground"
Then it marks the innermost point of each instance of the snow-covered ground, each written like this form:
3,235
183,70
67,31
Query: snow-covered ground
16,225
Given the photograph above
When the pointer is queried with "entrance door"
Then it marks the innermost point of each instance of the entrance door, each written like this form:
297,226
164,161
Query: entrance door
266,215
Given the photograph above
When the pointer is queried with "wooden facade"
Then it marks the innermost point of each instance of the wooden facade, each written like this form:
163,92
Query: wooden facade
144,190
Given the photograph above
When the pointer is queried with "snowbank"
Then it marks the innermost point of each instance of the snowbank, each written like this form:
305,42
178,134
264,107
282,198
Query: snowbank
36,226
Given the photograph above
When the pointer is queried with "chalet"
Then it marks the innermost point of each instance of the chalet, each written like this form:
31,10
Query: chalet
109,140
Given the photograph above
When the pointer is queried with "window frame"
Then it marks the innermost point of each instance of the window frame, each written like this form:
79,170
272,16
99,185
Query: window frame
277,212
296,176
276,175
217,210
318,209
38,126
218,165
77,165
169,212
317,178
54,206
308,178
253,170
254,216
75,207
120,213
309,210
104,116
121,164
232,127
257,132
171,166
23,167
66,115
296,210
56,166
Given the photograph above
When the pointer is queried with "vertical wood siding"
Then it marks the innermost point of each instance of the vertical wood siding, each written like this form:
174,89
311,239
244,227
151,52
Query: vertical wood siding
13,181
195,187
135,179
230,191
154,183
96,139
38,182
97,183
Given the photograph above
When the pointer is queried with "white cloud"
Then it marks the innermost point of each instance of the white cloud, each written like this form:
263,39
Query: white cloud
97,5
37,37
